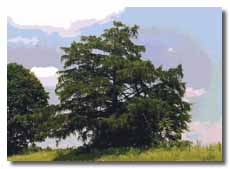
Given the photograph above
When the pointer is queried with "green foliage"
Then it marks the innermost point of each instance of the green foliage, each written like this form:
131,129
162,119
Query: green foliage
184,153
114,98
25,98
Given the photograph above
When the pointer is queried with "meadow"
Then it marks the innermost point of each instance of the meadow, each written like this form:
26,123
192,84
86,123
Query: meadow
194,153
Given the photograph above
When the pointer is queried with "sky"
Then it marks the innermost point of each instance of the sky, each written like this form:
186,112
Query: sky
188,36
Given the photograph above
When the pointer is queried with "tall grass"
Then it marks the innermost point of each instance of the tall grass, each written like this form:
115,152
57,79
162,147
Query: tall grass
195,153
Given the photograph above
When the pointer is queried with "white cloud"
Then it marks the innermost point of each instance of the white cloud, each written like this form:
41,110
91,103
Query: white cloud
61,13
191,92
47,75
44,71
171,50
33,41
204,132
73,30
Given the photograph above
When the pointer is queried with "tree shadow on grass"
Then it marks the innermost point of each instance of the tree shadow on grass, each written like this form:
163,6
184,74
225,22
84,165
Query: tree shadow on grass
90,155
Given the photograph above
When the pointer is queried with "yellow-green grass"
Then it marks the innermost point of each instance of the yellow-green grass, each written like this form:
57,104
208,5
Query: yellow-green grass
194,153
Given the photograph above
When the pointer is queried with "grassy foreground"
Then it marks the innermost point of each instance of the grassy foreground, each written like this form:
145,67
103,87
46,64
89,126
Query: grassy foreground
195,153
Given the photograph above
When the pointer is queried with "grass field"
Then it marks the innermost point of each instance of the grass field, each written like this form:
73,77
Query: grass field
194,153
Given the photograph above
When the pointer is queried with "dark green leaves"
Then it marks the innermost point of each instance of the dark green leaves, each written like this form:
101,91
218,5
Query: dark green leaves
114,98
25,99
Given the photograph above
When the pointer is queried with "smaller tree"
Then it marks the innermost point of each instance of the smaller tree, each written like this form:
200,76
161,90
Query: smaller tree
26,101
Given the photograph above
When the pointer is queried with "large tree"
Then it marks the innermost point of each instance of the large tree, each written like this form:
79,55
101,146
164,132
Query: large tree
26,99
113,97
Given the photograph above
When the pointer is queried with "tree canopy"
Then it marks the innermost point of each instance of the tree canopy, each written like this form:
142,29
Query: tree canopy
26,98
113,97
